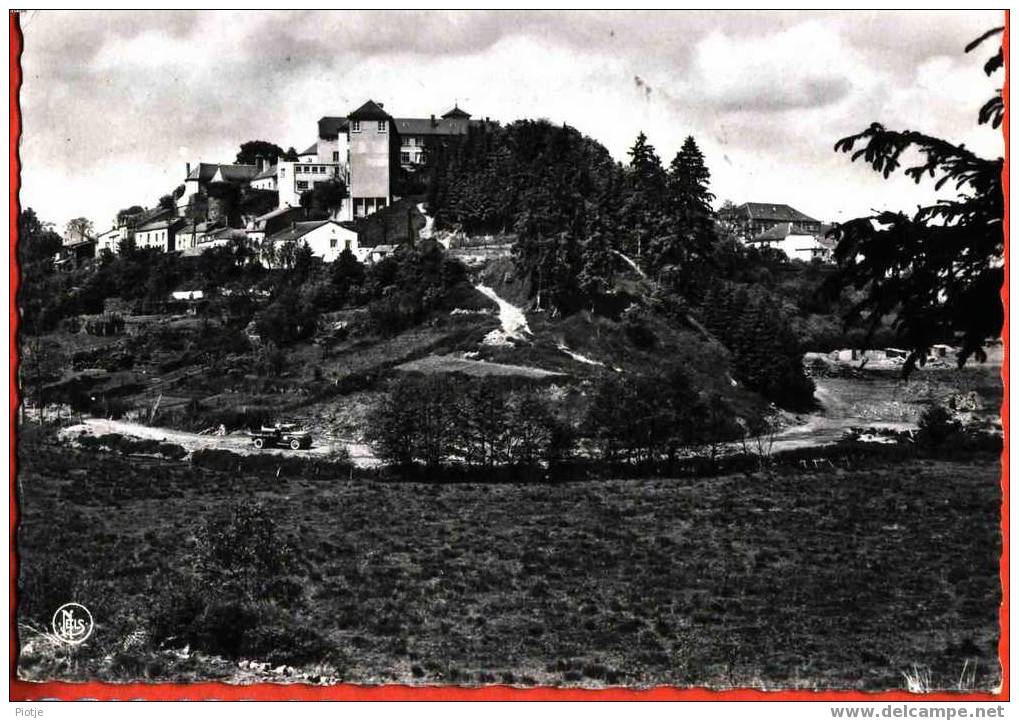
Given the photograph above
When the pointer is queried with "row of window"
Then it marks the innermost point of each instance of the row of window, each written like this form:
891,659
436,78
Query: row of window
311,168
355,126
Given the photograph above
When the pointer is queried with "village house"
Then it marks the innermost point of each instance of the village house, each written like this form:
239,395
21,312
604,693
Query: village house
276,220
74,252
202,176
265,178
110,239
161,234
326,238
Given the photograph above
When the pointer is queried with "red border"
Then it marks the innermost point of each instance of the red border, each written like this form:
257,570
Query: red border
27,691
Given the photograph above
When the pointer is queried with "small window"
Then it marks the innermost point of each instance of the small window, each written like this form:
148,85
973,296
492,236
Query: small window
302,184
355,126
283,171
382,126
332,242
346,244
336,156
404,157
380,202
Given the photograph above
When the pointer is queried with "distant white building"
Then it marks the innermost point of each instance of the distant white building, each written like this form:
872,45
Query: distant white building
796,242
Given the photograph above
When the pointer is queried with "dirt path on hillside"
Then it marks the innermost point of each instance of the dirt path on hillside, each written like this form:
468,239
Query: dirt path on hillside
236,442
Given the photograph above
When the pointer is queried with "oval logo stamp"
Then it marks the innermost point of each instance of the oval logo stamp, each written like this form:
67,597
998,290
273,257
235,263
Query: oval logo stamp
72,623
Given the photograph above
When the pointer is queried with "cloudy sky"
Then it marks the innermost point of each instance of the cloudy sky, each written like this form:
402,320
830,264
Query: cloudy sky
115,103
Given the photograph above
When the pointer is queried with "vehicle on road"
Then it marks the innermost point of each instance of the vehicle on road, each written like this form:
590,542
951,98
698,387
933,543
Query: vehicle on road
287,435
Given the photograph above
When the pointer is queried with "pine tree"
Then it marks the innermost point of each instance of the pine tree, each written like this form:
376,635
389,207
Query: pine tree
688,182
646,165
644,198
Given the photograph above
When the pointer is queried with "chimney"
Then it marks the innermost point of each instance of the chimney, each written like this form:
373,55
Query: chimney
381,105
433,120
187,167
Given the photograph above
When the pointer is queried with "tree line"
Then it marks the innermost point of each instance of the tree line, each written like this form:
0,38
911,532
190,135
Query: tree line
447,421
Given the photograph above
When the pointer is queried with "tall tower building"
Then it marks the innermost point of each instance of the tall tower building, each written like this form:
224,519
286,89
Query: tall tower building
374,153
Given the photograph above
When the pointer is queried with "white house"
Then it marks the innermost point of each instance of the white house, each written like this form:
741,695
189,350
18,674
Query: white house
110,240
796,242
159,234
326,238
265,179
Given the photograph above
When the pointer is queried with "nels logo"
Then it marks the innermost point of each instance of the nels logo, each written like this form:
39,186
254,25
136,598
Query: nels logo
72,623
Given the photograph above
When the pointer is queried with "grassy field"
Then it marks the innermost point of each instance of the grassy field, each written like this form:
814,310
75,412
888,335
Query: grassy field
844,579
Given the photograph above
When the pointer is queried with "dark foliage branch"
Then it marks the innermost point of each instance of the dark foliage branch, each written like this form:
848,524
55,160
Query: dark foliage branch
938,271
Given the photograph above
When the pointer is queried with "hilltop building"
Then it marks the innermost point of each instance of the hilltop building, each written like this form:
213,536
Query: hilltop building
752,219
420,137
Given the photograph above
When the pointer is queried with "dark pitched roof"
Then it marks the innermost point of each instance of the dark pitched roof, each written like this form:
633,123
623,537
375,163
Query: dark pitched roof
772,211
426,126
295,231
204,172
456,112
269,172
312,150
159,225
148,215
330,127
369,111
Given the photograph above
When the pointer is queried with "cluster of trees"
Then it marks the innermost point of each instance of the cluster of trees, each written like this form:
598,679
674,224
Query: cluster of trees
766,354
640,419
399,291
407,285
644,419
251,151
324,197
574,208
442,420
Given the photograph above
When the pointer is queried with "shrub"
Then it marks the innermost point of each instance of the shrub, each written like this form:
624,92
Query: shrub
937,425
239,599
